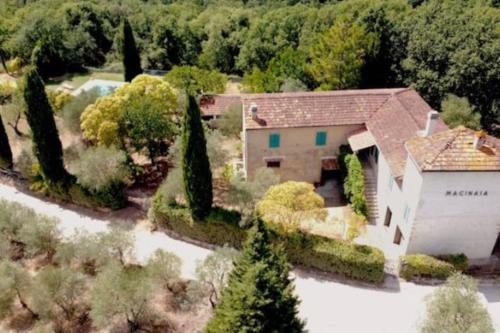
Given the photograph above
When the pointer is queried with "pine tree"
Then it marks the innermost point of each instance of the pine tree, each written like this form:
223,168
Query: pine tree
259,297
5,152
46,144
130,54
195,163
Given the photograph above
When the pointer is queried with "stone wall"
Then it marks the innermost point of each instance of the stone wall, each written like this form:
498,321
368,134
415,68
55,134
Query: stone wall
299,155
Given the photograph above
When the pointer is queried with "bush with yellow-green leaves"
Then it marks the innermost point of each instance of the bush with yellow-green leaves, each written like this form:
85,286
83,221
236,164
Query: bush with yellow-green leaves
100,122
422,265
290,203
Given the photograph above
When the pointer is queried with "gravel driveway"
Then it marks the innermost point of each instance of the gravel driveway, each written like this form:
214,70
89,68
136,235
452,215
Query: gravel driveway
327,305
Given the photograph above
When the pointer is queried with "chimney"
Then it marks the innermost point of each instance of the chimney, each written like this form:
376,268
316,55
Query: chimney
254,109
432,119
479,139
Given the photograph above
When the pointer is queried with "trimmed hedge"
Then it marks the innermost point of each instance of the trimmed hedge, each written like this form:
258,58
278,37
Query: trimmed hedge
354,184
359,262
422,265
459,261
221,227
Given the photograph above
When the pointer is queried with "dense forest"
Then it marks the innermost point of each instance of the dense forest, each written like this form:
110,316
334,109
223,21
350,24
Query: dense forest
440,47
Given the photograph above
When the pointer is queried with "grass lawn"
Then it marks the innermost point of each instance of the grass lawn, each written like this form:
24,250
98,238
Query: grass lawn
77,79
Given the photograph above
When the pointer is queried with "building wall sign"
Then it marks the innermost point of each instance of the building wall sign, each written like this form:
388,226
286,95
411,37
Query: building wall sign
466,193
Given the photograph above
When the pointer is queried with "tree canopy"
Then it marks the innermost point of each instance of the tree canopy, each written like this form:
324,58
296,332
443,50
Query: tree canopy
290,203
437,46
339,55
46,143
259,296
196,172
103,121
455,308
130,55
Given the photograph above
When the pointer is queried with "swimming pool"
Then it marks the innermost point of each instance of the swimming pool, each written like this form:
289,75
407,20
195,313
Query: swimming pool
105,87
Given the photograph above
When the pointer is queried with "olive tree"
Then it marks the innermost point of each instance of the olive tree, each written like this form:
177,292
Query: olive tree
90,252
211,276
231,121
59,293
40,236
15,283
12,218
118,245
123,294
103,172
217,154
455,307
164,267
244,194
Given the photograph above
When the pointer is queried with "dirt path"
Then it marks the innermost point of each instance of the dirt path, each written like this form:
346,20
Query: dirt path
328,305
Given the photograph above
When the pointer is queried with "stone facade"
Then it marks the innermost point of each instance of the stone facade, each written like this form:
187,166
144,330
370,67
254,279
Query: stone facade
300,157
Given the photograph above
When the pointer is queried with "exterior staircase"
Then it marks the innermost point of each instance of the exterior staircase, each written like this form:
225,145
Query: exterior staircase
371,193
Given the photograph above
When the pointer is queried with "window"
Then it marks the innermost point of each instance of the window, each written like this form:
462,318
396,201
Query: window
388,217
273,164
320,138
274,140
398,236
407,212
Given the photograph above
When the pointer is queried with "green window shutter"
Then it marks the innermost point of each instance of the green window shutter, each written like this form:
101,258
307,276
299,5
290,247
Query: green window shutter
274,140
320,138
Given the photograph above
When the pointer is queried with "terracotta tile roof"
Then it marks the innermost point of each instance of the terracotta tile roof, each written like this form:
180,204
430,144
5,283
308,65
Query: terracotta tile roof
397,121
303,109
215,105
453,150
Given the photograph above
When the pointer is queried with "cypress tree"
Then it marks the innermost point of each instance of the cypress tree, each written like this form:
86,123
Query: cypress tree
259,296
46,144
130,54
5,152
195,163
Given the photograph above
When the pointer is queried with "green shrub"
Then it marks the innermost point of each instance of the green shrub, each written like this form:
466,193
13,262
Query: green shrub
72,111
344,151
354,184
102,174
222,227
459,261
231,121
360,262
58,99
356,225
421,265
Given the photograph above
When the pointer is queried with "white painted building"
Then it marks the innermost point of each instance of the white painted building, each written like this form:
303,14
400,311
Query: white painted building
437,190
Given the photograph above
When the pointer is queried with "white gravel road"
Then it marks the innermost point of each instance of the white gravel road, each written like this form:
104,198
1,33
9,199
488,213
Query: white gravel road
327,305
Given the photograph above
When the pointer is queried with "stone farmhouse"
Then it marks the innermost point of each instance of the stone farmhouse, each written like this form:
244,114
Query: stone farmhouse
430,189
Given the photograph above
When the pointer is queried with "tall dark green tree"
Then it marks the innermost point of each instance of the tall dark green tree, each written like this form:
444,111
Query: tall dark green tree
378,70
5,152
46,144
260,296
130,53
195,163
